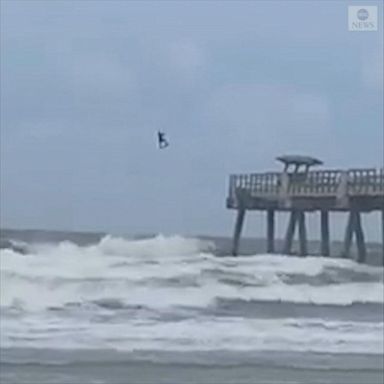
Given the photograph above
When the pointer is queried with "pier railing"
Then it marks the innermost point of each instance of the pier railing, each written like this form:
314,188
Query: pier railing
354,191
324,183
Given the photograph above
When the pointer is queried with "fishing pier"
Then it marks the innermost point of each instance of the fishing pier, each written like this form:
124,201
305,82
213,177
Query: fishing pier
298,189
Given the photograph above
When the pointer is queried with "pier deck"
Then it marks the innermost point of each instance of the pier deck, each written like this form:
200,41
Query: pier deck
354,191
333,190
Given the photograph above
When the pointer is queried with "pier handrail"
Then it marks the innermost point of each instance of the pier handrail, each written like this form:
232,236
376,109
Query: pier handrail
366,181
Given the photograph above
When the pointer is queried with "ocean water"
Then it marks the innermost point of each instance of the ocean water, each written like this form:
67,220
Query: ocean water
167,310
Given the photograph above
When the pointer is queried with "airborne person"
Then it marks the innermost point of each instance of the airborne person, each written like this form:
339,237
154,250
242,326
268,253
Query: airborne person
163,142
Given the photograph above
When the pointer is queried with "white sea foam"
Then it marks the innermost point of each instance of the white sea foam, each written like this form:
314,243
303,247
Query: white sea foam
166,275
234,334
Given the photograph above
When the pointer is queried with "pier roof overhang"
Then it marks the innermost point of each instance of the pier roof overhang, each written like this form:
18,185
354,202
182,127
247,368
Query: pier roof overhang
299,160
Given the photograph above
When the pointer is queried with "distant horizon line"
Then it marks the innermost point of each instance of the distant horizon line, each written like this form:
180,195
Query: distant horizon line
151,234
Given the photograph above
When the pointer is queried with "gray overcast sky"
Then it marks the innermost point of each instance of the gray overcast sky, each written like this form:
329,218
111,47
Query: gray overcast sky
86,84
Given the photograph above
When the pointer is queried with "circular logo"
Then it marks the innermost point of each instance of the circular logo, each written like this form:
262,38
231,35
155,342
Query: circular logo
362,14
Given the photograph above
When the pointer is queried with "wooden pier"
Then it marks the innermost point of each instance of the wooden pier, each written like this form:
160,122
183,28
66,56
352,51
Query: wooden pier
301,190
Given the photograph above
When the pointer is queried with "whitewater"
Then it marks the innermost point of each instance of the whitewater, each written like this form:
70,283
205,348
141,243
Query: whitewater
174,294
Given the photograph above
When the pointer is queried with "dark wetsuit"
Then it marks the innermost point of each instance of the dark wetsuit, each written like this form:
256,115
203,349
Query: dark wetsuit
163,143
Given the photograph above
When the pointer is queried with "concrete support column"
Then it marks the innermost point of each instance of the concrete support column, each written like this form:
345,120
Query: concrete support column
354,227
270,231
302,234
348,235
382,233
238,229
360,241
287,248
325,242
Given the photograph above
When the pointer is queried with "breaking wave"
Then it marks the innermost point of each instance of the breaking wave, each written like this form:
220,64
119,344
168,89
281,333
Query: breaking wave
172,293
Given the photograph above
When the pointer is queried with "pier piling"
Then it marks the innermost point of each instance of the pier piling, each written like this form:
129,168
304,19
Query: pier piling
270,231
325,240
360,241
287,249
238,229
382,232
302,234
348,235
